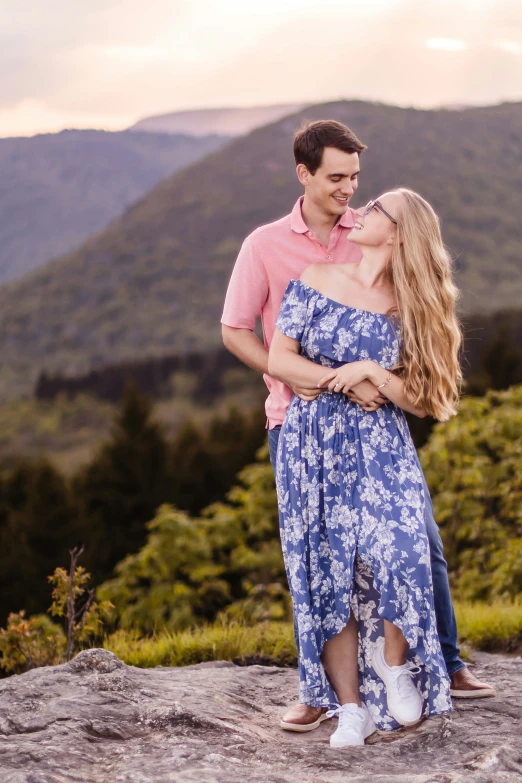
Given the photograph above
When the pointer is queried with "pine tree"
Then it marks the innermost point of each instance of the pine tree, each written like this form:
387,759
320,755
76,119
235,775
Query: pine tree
123,486
38,525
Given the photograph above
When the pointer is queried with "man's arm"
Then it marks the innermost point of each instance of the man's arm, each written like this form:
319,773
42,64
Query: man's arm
246,346
247,292
250,350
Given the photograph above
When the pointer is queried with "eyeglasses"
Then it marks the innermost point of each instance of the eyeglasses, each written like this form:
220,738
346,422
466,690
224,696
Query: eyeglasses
377,205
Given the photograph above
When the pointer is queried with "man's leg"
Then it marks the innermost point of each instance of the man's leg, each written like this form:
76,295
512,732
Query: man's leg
463,683
446,622
273,440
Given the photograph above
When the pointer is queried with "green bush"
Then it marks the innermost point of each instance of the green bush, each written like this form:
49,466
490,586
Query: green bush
192,568
473,466
30,642
157,588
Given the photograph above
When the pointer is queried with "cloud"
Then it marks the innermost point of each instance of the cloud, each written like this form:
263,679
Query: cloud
513,47
447,44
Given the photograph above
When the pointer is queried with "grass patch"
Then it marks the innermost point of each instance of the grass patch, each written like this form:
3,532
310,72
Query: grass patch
493,627
496,626
267,643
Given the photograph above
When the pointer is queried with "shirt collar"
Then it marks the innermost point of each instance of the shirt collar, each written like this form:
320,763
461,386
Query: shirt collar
298,225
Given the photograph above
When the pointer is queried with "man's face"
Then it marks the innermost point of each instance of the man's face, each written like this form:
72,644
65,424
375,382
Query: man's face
334,182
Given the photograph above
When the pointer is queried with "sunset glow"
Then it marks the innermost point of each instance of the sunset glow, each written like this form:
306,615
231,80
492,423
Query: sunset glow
110,62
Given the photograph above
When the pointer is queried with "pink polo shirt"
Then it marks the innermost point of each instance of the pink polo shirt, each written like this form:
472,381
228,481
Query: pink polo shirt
269,258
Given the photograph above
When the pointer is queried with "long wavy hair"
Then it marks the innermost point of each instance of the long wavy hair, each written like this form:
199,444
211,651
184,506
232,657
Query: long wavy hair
421,272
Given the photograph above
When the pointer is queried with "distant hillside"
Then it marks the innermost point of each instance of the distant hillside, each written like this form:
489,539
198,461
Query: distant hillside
57,189
225,122
153,282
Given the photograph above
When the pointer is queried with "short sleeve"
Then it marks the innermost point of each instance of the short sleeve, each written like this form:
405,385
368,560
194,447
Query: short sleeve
247,290
294,313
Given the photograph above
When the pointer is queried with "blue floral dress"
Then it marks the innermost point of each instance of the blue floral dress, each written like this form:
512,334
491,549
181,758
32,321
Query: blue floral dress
351,506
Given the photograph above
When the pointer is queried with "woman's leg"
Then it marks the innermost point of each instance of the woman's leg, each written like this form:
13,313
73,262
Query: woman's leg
395,645
403,699
339,658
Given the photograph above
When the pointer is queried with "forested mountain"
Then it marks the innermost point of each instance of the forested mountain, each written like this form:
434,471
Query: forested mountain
153,282
58,188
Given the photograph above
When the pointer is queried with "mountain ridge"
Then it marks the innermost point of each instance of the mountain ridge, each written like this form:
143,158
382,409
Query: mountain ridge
59,188
226,121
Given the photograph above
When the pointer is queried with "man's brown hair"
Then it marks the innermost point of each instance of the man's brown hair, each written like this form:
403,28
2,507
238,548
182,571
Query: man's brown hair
312,138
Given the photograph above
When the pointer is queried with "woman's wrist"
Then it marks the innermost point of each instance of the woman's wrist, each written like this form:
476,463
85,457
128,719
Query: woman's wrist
378,375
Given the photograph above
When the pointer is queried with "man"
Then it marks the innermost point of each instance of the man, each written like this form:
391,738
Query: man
327,159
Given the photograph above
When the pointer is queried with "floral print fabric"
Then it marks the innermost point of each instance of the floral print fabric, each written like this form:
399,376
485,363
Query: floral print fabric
351,506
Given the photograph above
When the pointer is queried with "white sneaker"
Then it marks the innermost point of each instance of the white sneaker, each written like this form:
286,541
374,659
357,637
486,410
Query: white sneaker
404,700
355,724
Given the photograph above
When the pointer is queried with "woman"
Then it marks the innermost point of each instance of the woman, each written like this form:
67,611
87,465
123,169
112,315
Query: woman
350,487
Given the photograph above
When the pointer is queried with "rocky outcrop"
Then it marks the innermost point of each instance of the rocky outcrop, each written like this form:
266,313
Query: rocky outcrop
96,720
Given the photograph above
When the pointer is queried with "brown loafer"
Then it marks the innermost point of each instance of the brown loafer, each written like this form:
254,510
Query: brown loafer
464,685
302,717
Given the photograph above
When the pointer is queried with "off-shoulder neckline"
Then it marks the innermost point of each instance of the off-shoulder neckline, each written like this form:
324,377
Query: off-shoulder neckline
339,304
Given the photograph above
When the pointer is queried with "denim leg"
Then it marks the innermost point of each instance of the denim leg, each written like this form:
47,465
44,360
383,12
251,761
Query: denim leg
273,440
446,622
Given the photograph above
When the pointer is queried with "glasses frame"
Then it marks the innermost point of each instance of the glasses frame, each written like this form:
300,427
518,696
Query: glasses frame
377,205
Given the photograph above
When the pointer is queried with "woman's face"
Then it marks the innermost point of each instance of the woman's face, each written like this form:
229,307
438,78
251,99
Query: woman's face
376,228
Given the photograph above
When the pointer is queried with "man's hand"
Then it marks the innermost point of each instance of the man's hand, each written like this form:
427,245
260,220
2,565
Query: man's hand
367,396
306,394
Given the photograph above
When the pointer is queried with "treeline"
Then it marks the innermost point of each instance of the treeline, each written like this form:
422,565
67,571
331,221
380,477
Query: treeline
152,375
106,504
492,355
491,359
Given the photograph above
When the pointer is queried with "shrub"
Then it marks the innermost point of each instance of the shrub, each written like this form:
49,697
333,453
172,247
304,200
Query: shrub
36,641
191,569
473,468
30,642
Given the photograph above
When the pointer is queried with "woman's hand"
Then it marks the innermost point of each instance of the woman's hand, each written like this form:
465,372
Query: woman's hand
342,379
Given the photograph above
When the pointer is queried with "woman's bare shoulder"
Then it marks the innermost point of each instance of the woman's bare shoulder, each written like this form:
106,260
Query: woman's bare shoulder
316,275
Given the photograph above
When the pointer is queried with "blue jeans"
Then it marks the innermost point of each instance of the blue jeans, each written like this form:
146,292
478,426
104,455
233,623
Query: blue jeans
446,622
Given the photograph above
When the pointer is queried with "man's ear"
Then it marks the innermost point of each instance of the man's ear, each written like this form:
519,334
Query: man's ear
303,175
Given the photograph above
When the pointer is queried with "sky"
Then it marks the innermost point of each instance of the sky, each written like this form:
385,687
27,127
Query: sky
108,63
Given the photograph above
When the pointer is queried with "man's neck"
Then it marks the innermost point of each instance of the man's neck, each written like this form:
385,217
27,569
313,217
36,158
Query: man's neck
318,221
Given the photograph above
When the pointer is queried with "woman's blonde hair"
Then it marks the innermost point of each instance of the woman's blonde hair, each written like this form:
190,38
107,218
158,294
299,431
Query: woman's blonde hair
421,271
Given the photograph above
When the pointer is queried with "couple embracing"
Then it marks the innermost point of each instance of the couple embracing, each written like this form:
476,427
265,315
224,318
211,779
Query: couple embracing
359,325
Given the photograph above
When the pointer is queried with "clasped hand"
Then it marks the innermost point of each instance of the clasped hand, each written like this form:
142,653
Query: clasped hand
352,379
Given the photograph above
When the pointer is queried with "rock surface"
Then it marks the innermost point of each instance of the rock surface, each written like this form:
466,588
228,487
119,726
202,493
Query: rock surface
96,720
